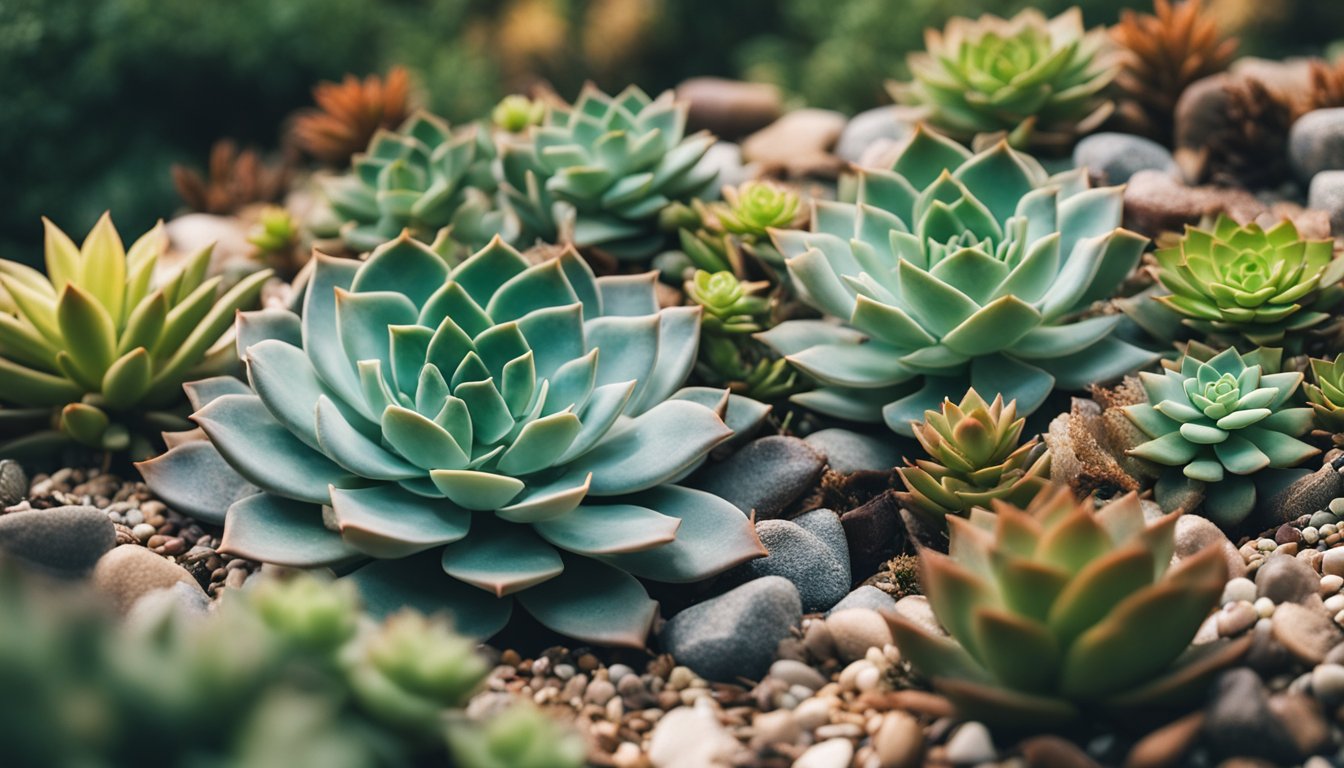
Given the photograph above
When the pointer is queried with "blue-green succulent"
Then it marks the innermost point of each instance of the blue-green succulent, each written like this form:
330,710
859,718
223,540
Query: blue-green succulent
954,270
470,436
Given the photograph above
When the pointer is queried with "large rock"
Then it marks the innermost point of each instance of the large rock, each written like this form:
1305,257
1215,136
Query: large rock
1285,579
847,451
766,475
816,567
1316,143
130,572
1156,202
1112,158
866,596
729,108
735,634
62,541
883,124
798,143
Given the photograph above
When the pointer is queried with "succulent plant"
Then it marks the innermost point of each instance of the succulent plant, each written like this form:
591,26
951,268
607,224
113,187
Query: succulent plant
233,180
599,173
516,113
278,241
519,737
480,435
1325,393
1251,283
728,355
955,270
425,177
96,350
730,305
1062,612
1041,81
976,456
753,209
1223,425
350,112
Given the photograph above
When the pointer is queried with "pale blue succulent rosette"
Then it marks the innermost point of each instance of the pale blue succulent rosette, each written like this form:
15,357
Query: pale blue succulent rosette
470,437
955,270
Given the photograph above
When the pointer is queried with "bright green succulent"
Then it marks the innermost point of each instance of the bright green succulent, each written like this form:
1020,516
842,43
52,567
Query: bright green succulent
1062,612
520,737
471,436
731,305
753,209
424,177
516,113
728,355
975,457
1043,81
598,174
1222,425
1249,282
96,350
956,270
1325,393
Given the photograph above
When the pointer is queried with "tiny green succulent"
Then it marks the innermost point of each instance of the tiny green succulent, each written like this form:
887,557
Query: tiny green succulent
96,350
1224,425
599,173
1043,81
731,305
1325,393
1245,281
519,737
1063,612
516,113
753,209
956,270
425,177
728,355
975,456
470,437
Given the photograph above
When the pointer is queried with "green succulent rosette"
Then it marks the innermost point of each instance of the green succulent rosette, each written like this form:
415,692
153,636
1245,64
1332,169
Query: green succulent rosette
1043,81
599,173
520,737
1223,424
1325,393
470,437
95,351
1062,612
1245,281
425,177
956,270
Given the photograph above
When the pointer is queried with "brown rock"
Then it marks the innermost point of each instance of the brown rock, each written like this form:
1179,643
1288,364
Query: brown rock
1155,203
1305,630
899,741
1195,533
798,143
1166,746
729,108
874,533
129,572
1055,752
1302,718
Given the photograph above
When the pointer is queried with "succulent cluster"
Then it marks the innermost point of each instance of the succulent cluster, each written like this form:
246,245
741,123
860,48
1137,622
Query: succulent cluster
1041,81
278,241
598,174
233,180
350,112
1252,284
97,351
1062,611
1224,425
479,435
975,456
426,178
729,356
1325,393
516,113
955,270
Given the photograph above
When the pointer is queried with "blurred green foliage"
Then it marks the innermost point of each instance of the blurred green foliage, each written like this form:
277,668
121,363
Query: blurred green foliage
99,97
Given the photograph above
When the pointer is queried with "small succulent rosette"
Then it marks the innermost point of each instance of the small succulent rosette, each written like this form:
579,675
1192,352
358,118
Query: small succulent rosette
1223,427
1325,394
470,437
1062,612
955,270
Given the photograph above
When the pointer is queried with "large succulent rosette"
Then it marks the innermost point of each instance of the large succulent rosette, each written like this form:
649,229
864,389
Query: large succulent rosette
470,437
955,270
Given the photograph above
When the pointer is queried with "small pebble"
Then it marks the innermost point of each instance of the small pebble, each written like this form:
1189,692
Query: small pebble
1239,589
1264,607
971,745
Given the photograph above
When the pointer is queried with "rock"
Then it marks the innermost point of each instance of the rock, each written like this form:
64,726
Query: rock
778,727
1238,720
1306,631
1194,533
1155,202
61,541
690,737
875,533
766,475
1240,588
813,565
887,124
130,571
726,159
1307,494
899,741
818,642
191,232
856,630
867,596
1235,618
729,108
1316,143
1164,747
1290,77
1327,194
1112,158
848,451
1054,752
826,526
832,753
798,143
1286,580
13,483
186,598
1327,683
916,609
970,745
734,635
1332,563
1302,719
797,673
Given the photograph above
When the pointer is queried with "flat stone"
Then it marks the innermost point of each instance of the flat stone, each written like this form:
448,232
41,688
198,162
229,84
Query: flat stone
867,596
735,634
811,563
130,571
729,108
1112,158
689,737
847,451
1316,143
889,124
798,143
797,673
832,753
856,630
1286,580
766,475
1239,721
1307,632
61,541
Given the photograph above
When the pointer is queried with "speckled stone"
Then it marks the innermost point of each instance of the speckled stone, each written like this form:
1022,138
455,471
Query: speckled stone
62,541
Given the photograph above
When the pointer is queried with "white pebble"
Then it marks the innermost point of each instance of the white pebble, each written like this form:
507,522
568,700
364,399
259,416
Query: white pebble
1240,588
1327,681
1334,603
814,713
835,753
1337,506
868,679
1266,545
143,531
1329,528
1310,535
1331,583
1264,606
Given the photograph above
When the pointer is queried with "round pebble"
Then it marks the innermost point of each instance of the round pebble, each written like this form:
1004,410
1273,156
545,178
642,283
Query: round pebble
1264,607
1239,589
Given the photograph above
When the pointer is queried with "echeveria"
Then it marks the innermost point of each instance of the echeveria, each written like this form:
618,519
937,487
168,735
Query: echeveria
1222,424
469,437
955,270
1325,393
1062,611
